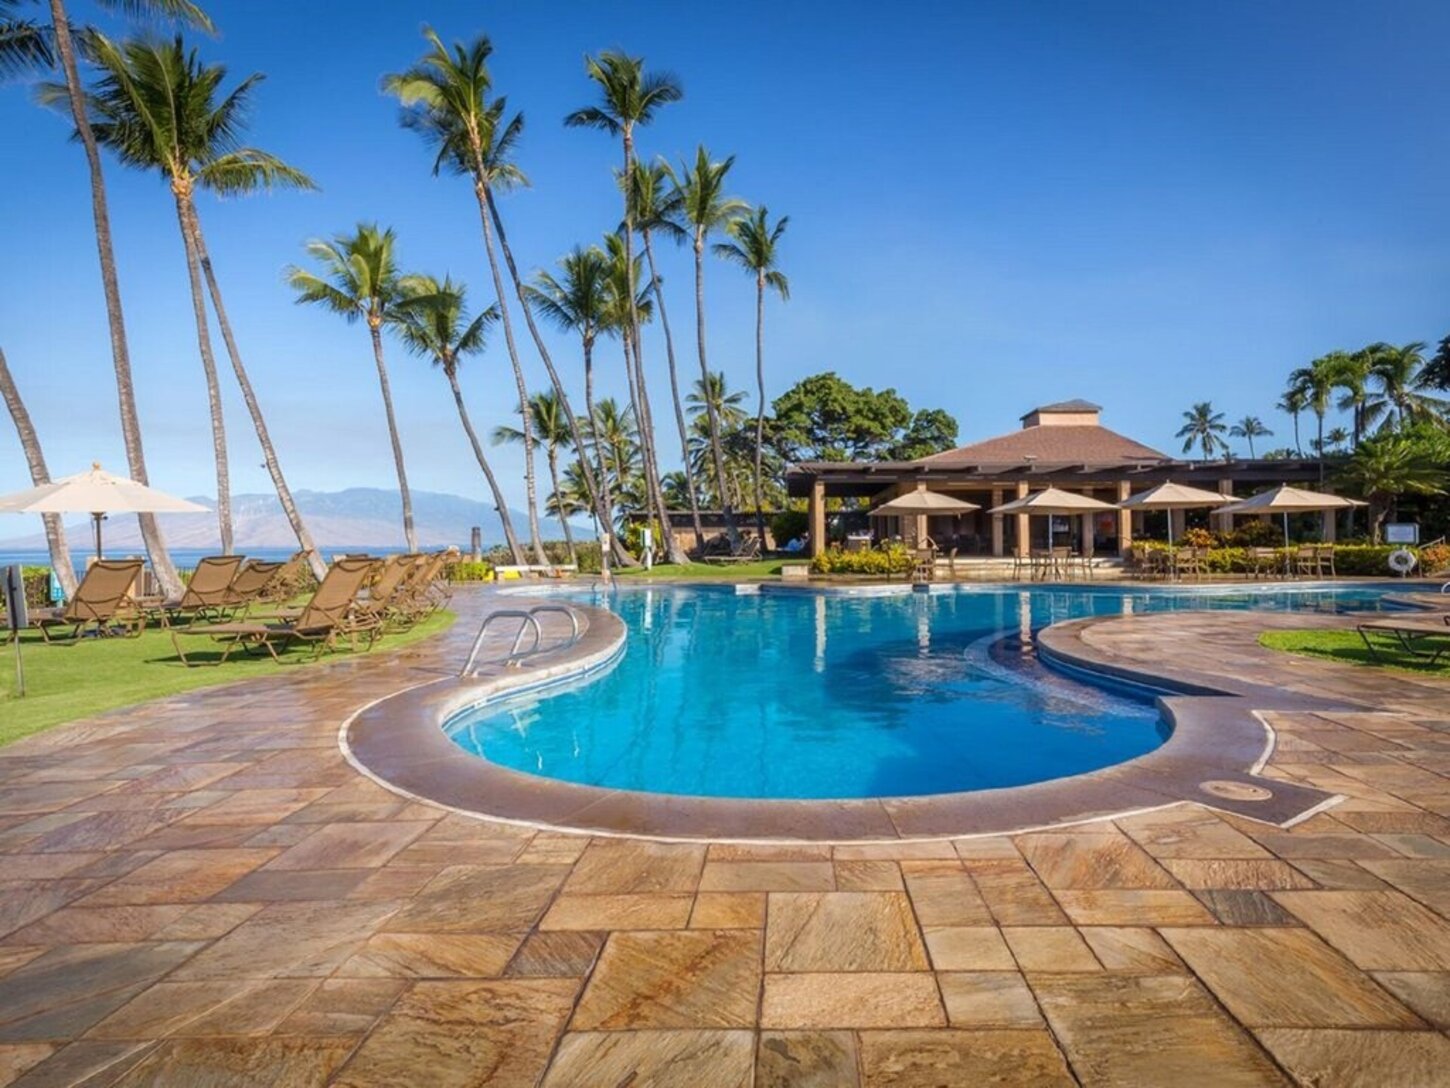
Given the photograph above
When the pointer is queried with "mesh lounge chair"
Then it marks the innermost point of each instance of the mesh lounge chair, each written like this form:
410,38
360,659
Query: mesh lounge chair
1419,635
103,600
250,582
206,594
748,552
329,615
287,581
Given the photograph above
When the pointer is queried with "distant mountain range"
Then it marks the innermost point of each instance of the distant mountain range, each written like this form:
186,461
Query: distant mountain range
358,517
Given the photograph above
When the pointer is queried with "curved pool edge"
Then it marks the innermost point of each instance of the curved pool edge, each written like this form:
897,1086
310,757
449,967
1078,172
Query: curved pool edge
1219,743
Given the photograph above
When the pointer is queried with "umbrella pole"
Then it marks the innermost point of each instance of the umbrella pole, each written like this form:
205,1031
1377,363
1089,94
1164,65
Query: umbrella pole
96,518
1286,543
1172,563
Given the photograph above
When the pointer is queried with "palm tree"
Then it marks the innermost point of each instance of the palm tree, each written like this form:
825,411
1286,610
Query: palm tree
155,107
1315,385
22,46
615,434
703,207
727,406
1292,403
39,474
432,320
360,280
1203,427
630,98
1350,372
752,246
1394,463
1250,427
1398,375
550,426
655,212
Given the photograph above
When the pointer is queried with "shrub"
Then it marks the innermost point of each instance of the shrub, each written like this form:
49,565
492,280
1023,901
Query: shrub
1198,538
468,571
1364,559
1435,559
893,559
789,525
1254,534
37,589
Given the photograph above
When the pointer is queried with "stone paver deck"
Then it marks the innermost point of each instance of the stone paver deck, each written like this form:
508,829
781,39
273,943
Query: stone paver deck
202,891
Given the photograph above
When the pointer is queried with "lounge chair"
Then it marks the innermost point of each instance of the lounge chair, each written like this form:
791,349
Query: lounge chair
206,595
1418,635
103,600
329,615
748,552
287,581
250,582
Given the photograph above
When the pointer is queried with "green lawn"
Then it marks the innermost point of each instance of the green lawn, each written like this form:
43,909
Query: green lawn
66,682
1347,647
763,568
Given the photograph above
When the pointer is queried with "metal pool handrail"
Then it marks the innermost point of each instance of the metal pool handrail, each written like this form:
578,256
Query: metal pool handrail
528,623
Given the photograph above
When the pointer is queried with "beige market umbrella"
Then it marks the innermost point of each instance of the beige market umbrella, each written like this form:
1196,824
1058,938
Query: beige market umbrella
1052,502
923,502
1288,500
97,493
1174,497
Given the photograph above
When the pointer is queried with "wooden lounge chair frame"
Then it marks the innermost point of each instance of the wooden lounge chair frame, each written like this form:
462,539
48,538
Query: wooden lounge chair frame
206,595
748,552
1410,634
103,600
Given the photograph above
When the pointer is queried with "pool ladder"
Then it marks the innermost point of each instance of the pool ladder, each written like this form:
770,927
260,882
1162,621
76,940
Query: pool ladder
528,621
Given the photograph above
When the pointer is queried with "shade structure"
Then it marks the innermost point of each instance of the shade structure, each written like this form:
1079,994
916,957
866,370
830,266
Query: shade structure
1171,497
1052,502
923,502
1288,500
97,493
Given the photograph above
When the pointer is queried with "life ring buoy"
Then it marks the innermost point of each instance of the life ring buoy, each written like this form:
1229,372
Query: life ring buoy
1402,561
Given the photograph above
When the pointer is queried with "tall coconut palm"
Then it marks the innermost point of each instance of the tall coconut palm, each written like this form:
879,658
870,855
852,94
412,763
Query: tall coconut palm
1400,385
155,107
1203,427
629,98
549,425
615,434
1291,404
61,40
432,320
728,408
752,246
1350,373
445,97
39,474
1250,427
653,203
359,280
703,209
1315,385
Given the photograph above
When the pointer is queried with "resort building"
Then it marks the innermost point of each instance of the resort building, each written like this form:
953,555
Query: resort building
1062,445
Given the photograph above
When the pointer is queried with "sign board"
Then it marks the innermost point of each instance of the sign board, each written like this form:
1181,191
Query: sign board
1402,532
16,616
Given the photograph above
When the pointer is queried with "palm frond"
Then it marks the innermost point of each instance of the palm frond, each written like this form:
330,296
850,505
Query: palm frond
247,169
181,11
24,47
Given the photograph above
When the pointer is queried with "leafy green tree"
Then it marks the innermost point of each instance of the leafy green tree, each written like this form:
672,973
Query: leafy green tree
550,427
703,209
932,430
359,280
1415,460
1204,428
825,418
1250,428
1436,374
753,246
155,105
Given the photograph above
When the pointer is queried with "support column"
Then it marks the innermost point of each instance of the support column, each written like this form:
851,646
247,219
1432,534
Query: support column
1125,519
999,533
1331,526
1224,523
818,517
1024,523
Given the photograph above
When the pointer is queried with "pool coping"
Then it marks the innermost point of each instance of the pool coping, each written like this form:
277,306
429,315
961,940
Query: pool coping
1220,741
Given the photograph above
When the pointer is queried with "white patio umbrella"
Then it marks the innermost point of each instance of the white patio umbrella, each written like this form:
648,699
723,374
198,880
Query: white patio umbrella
97,493
1053,502
1172,497
1288,500
923,502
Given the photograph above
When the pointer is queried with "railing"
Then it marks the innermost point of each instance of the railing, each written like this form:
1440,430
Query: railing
528,621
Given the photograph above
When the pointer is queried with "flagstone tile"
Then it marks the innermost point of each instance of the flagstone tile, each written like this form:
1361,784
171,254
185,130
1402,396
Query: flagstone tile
968,948
551,848
842,931
1085,861
624,866
86,1063
1426,992
1339,875
1378,931
988,999
1186,832
255,806
343,1006
1131,950
925,1059
1259,874
432,955
1423,879
658,1059
498,1033
947,899
24,901
1133,1030
180,876
45,866
95,925
1360,1059
682,979
13,957
278,1062
1134,907
863,1000
392,882
767,876
233,1007
895,851
349,846
1049,948
1013,894
806,1059
207,920
728,910
561,954
986,846
618,912
18,1058
440,855
770,851
1285,978
289,940
482,898
290,885
869,876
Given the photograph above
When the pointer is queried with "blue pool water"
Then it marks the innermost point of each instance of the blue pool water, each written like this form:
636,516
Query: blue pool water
799,695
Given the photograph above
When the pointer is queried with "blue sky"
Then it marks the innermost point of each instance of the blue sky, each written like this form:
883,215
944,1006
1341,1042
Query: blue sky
991,205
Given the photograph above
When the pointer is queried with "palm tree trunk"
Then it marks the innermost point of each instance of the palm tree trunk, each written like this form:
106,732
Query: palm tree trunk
712,418
254,409
606,525
30,443
498,500
760,408
654,280
161,563
553,454
527,426
654,492
407,496
1298,446
208,366
621,553
1320,450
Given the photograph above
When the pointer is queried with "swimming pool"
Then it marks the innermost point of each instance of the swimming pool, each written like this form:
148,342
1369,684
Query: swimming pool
806,695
